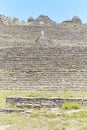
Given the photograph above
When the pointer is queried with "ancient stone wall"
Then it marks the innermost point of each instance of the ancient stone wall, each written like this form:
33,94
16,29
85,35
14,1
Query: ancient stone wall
4,20
43,102
74,20
42,20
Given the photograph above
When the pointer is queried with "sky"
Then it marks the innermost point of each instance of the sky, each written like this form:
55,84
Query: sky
57,10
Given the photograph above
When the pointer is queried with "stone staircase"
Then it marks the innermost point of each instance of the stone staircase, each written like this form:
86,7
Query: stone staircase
59,65
44,68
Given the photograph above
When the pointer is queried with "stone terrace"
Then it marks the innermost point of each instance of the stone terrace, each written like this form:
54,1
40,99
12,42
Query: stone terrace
61,64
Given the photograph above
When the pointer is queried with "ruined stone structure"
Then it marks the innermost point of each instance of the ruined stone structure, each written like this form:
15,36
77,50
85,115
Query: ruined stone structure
77,20
41,21
47,56
74,20
42,102
30,19
7,20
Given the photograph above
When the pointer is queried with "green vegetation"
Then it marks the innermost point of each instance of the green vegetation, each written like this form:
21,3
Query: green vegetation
11,73
52,115
71,105
80,114
35,114
62,94
45,118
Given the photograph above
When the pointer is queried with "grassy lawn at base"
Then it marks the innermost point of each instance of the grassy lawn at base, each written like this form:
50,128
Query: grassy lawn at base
44,119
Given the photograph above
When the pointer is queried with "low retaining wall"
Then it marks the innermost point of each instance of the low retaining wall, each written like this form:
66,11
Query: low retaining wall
42,102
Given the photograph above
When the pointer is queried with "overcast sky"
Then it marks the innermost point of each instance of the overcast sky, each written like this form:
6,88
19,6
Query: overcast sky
58,10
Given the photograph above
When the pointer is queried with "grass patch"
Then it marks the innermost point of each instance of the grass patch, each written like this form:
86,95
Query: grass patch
52,115
71,105
81,114
34,94
35,114
68,94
